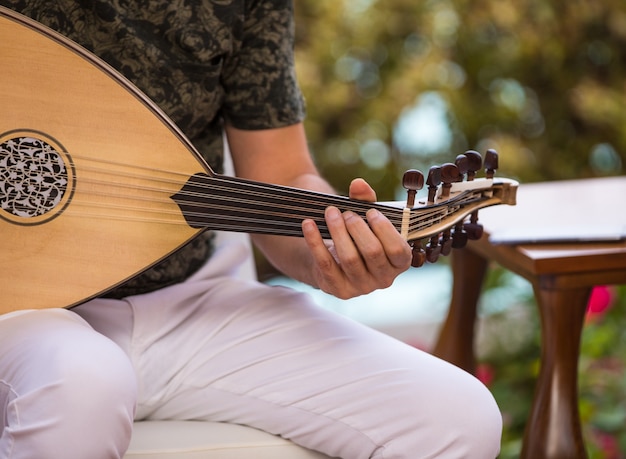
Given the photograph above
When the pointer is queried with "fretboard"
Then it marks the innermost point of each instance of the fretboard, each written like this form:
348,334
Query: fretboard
235,204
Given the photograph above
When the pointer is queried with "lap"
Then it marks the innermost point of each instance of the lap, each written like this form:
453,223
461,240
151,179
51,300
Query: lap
223,349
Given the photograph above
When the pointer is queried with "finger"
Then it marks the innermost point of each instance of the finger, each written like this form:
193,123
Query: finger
350,260
326,271
378,241
396,249
317,246
369,247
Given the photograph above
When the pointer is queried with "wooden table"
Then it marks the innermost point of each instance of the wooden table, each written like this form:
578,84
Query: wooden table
562,273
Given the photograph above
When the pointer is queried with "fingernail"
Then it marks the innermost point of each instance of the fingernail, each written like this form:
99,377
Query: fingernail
308,226
332,213
373,214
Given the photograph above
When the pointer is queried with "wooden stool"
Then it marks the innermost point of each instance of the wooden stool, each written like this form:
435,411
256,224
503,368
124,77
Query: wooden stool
563,265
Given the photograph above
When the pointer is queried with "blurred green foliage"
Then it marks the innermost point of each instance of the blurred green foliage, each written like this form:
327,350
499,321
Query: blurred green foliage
399,84
541,81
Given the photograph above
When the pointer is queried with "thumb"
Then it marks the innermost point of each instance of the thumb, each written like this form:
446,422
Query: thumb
362,191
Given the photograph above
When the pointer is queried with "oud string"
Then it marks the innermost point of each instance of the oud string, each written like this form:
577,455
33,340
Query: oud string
157,187
217,195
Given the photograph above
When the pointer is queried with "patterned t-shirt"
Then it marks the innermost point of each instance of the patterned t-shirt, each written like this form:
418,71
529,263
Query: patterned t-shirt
204,62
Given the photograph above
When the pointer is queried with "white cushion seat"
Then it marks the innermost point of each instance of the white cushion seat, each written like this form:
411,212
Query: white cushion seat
210,440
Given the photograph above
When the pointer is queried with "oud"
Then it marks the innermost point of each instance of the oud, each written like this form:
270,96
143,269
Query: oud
97,184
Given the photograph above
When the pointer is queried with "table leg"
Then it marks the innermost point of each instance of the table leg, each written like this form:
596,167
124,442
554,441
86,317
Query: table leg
456,338
553,429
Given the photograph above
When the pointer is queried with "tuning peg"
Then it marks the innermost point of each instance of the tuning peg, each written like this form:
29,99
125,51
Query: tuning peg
433,249
491,162
449,175
446,242
474,161
433,181
462,163
473,229
418,255
412,181
459,236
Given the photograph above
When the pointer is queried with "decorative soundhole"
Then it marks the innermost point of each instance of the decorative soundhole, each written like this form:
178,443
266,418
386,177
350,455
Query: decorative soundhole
36,178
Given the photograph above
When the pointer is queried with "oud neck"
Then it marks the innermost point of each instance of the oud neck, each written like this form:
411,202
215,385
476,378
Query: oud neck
234,204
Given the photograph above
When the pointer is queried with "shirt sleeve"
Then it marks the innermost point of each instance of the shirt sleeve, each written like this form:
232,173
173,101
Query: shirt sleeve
261,89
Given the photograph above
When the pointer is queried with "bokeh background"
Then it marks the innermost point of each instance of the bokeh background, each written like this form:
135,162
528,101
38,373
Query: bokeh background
403,83
398,84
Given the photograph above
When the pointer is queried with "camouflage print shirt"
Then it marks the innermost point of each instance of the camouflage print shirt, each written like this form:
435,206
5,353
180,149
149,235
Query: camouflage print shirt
203,62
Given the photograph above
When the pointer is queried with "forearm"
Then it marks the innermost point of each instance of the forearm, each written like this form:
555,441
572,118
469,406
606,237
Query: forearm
279,156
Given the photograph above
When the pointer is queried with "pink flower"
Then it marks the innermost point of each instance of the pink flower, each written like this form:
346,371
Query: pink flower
601,299
608,444
485,373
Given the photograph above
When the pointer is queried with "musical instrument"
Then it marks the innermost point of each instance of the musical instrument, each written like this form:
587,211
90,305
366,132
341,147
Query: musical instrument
97,184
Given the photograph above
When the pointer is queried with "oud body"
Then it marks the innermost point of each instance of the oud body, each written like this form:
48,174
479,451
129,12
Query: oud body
98,124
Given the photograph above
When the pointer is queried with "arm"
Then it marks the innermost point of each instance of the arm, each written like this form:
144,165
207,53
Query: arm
359,259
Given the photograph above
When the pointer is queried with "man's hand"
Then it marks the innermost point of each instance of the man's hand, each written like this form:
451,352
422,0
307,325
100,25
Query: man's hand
361,257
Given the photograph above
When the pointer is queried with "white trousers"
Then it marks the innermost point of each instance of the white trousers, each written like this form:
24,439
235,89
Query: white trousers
222,349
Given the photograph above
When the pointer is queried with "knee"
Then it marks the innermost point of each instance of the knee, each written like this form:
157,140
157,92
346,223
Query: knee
93,376
477,425
454,416
66,379
468,421
55,350
93,379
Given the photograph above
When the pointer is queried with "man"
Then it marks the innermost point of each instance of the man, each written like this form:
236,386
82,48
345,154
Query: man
186,340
